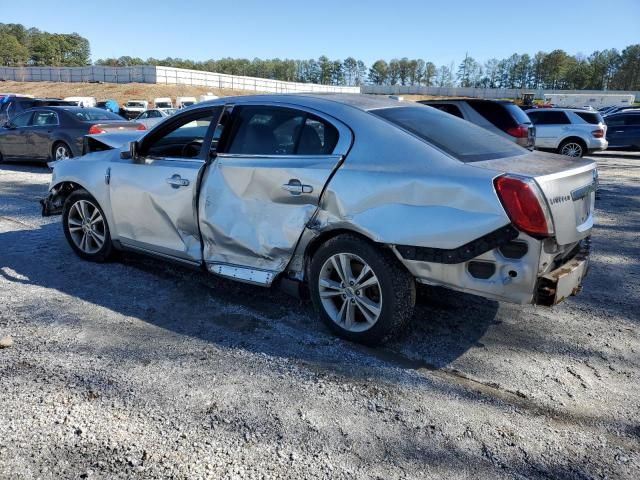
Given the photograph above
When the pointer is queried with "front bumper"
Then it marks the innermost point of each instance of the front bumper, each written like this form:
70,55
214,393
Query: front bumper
565,280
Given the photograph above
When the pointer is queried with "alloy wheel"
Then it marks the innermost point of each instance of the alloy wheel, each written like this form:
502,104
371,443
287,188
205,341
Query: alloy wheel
350,292
572,149
86,226
62,152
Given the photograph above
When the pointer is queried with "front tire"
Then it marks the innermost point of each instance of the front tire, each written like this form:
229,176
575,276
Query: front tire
85,227
361,292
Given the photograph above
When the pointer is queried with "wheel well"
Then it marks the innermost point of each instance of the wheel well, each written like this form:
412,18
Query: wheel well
574,139
54,203
315,244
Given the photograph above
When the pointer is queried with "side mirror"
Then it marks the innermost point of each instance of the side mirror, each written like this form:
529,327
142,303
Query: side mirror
132,153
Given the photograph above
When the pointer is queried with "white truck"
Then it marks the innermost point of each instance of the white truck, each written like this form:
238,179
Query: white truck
133,108
162,102
595,100
182,102
82,101
208,96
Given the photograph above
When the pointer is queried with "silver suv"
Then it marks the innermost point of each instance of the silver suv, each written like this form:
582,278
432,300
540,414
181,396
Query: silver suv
569,131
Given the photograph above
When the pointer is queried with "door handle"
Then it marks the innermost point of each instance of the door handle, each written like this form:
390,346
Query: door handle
176,181
295,187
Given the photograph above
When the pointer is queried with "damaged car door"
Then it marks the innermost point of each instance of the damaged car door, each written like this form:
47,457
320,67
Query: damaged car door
264,187
154,194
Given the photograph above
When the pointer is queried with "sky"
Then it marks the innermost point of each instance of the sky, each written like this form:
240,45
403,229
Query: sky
441,32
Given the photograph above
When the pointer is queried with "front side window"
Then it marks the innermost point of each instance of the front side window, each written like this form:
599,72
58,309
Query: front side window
22,120
43,119
181,139
460,139
280,131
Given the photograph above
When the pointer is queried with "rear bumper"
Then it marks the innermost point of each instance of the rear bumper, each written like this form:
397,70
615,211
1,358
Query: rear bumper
597,144
565,280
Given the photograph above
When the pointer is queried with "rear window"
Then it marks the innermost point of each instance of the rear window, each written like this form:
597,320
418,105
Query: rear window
460,139
94,114
590,117
502,115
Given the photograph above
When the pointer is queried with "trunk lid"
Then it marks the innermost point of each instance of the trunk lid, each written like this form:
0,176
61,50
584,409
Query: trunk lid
568,186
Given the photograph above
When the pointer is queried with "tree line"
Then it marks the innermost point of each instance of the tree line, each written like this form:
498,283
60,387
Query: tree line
604,69
21,46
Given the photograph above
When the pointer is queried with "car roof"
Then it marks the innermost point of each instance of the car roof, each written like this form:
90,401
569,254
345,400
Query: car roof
360,101
477,100
562,109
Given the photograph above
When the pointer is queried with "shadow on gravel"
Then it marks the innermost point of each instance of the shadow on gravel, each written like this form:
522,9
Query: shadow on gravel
232,314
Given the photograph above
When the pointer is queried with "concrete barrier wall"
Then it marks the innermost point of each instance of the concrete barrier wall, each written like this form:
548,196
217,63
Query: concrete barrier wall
162,75
478,92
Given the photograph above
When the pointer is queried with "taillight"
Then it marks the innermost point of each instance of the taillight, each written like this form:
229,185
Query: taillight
95,130
521,131
524,204
599,133
141,127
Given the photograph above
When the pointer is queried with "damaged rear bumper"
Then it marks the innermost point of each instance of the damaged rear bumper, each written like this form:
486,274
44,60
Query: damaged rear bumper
565,280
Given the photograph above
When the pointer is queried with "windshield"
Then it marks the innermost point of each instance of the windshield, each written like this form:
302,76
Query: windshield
135,104
93,114
459,138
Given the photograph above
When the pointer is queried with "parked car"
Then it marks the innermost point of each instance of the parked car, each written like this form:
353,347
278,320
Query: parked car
14,105
356,198
501,117
133,108
183,102
162,102
110,105
569,131
44,133
623,130
153,116
613,110
82,101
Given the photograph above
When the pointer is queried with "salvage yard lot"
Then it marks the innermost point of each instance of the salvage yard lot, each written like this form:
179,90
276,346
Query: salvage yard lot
136,369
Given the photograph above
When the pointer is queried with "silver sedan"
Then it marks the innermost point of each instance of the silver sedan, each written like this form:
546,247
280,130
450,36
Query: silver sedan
352,198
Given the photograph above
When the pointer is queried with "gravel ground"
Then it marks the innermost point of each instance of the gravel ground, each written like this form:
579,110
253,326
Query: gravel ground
138,369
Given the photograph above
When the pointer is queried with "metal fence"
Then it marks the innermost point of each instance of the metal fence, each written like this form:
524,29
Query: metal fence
162,75
477,92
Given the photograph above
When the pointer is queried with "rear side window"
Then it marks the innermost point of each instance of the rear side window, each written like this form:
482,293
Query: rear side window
280,131
499,114
460,139
95,114
43,119
549,118
590,117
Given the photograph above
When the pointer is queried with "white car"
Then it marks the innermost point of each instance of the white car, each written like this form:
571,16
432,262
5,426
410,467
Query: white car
569,131
133,108
153,116
82,101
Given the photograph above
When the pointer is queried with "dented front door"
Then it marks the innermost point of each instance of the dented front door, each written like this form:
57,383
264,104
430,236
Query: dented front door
264,188
153,198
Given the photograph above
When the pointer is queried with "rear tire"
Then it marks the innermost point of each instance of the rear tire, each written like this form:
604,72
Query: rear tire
85,227
572,148
61,151
361,292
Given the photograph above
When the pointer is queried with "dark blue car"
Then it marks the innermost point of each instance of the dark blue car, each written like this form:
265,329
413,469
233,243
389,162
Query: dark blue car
623,130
